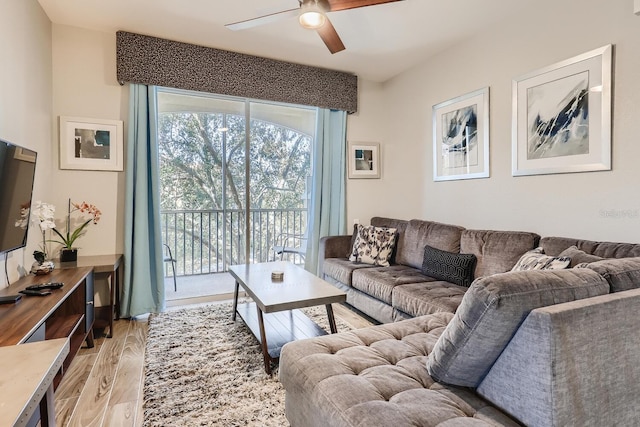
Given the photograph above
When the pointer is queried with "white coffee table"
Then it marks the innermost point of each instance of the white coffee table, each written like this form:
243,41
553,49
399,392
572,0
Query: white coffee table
273,316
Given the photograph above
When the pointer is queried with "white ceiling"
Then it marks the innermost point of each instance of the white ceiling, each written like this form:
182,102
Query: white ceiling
381,41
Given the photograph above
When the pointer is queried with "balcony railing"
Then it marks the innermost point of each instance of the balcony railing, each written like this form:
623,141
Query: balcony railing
209,241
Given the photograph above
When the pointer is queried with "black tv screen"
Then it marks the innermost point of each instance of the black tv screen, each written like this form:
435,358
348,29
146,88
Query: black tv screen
17,172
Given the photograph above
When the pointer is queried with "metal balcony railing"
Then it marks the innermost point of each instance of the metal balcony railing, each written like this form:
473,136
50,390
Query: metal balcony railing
209,241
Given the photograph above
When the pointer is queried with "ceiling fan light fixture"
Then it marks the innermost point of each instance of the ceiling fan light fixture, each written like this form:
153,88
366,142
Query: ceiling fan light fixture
312,16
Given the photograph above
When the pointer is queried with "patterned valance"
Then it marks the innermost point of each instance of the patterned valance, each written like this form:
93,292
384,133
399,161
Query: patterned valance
154,61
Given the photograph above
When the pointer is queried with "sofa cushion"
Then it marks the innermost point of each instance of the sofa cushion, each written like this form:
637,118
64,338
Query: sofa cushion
555,245
449,266
418,299
398,224
622,274
496,251
375,377
341,269
380,281
373,245
536,260
578,257
419,233
492,310
615,250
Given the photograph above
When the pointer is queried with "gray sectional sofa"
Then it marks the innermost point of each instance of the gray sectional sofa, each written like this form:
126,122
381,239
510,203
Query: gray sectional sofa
402,291
538,348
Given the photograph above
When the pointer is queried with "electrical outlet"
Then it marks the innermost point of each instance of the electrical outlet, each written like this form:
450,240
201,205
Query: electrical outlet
636,7
356,221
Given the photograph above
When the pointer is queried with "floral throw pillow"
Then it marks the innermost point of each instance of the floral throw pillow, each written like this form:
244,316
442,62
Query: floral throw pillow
373,245
537,260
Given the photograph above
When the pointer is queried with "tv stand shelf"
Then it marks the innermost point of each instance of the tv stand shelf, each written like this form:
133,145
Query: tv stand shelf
67,313
63,327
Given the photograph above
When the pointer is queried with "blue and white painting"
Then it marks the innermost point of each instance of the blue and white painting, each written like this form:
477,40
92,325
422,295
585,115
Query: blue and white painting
558,118
460,137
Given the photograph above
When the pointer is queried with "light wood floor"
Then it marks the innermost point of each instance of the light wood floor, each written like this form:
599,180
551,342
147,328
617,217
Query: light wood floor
103,385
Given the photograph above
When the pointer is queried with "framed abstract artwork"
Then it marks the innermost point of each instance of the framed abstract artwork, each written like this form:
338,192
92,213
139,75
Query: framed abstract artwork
363,160
91,144
561,117
461,137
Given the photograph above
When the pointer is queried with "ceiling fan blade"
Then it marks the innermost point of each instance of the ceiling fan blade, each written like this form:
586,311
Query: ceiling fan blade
330,37
262,20
335,5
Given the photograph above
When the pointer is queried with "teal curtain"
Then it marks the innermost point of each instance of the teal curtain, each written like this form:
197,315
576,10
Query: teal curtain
327,212
143,290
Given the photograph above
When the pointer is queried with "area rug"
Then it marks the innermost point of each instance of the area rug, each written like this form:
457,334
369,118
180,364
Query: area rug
203,369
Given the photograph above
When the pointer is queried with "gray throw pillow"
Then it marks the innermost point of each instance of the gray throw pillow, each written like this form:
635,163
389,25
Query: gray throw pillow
578,256
449,266
491,312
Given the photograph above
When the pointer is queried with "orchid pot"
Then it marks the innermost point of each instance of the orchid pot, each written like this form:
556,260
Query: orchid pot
68,254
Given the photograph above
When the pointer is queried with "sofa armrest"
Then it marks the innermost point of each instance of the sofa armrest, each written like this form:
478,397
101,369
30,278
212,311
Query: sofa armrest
575,363
333,247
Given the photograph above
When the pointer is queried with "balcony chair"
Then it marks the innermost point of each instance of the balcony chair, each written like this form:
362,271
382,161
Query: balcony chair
287,243
168,257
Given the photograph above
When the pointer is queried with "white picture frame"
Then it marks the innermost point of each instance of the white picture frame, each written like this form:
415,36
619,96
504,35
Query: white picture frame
561,116
91,144
363,160
461,137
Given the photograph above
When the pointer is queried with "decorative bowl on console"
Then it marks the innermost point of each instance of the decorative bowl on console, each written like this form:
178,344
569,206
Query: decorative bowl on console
40,268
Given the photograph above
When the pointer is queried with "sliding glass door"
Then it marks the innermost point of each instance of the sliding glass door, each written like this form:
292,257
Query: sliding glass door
234,180
280,177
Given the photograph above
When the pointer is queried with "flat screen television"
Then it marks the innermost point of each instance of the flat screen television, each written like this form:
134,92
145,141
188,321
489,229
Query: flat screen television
17,172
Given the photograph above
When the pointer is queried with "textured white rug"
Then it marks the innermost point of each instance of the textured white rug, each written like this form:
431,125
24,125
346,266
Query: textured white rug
203,369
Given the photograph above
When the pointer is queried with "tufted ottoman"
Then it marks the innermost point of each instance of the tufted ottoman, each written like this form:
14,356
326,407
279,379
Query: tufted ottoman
377,377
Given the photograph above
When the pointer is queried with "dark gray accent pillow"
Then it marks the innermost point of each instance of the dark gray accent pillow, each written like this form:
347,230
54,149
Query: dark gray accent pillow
491,312
353,239
578,256
449,266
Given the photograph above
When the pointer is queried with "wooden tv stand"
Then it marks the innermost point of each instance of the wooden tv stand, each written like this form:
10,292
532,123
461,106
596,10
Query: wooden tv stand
67,313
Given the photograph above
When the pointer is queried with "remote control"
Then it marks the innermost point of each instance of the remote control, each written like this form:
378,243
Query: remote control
36,293
41,286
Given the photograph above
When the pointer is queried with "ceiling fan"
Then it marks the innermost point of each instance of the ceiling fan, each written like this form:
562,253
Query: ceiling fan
312,15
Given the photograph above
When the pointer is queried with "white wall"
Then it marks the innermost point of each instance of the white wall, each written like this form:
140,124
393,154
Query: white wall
85,85
596,205
25,103
60,71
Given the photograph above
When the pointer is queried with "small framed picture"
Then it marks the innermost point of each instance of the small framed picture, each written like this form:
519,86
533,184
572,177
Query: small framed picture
562,116
461,137
91,144
363,160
